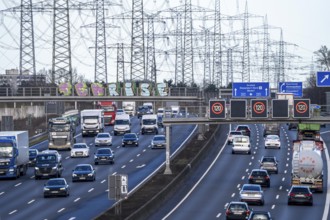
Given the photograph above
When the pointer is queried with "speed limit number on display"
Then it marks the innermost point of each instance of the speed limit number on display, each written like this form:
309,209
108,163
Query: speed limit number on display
259,108
301,108
217,109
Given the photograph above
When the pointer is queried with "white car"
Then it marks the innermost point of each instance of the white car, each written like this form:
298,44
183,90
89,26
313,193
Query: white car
241,144
103,139
272,141
53,151
120,111
80,150
233,134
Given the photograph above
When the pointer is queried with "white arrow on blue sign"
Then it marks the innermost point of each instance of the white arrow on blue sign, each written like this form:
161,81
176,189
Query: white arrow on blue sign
323,79
290,87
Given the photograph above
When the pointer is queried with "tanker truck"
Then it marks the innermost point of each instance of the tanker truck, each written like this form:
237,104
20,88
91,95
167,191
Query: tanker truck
307,165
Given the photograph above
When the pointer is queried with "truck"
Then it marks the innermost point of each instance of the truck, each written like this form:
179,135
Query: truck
48,164
175,111
309,131
129,108
73,116
307,165
14,153
61,133
149,124
122,124
272,128
110,109
92,121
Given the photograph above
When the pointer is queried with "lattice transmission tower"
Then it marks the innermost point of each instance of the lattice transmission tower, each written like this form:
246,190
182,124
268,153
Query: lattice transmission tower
217,52
188,68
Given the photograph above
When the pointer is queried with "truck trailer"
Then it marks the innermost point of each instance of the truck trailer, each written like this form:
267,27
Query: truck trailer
14,153
307,165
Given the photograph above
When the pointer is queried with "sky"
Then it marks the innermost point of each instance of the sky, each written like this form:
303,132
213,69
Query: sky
304,23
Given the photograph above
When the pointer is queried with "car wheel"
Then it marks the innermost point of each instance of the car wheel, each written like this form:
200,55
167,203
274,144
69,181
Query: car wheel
262,202
123,145
232,152
268,185
249,152
289,203
45,196
96,163
311,204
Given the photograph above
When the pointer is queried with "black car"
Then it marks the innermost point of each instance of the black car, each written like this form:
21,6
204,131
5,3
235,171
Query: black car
269,163
130,139
301,195
32,156
259,176
104,155
142,110
260,215
83,172
245,129
237,210
56,187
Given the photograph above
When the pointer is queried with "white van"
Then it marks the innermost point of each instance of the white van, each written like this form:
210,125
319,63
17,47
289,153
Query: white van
149,124
150,106
122,124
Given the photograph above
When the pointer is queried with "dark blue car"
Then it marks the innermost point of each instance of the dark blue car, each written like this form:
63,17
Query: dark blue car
83,172
130,139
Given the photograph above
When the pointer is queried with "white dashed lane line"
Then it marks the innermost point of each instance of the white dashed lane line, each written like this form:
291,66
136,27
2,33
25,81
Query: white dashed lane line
18,184
76,200
12,212
123,166
131,160
91,190
2,193
138,155
103,181
62,209
31,201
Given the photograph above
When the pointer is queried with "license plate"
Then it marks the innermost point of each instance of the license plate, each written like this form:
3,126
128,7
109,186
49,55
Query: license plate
82,178
258,181
130,142
300,196
54,191
103,159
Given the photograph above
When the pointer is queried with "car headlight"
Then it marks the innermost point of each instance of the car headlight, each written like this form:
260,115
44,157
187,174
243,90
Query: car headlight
54,168
46,189
63,188
90,174
36,168
74,175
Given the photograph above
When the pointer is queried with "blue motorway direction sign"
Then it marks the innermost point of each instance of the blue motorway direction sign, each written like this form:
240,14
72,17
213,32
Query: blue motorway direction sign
251,89
291,87
323,79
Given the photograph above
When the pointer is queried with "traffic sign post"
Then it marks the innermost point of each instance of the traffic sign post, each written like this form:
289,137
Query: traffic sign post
237,108
280,108
217,109
291,87
251,90
301,108
323,79
259,108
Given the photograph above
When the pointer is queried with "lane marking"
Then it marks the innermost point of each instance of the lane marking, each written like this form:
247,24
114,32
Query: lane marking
62,209
273,206
2,193
76,200
243,177
103,181
72,218
91,190
277,196
31,201
12,212
233,195
18,184
283,179
114,173
123,166
280,187
138,155
218,215
131,160
144,150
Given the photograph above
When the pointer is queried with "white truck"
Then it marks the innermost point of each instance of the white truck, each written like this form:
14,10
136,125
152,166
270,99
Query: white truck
92,121
129,108
14,153
122,124
175,111
307,165
149,124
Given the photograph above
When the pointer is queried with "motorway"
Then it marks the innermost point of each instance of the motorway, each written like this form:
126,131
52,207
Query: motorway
23,198
219,182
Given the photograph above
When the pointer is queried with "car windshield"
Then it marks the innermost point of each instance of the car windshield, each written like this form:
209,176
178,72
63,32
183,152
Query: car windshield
272,137
129,136
33,152
242,128
259,173
104,151
251,187
55,182
103,135
241,139
268,159
79,146
237,207
159,138
83,168
235,133
46,159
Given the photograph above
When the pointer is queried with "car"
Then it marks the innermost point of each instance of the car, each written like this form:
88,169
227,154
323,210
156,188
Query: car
259,176
142,110
32,156
56,187
293,126
260,215
103,139
269,163
252,193
272,141
158,141
168,113
80,150
160,112
83,172
130,139
241,144
231,136
237,210
53,151
300,195
120,111
104,155
245,129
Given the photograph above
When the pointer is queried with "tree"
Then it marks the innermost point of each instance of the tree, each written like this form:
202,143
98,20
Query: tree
323,57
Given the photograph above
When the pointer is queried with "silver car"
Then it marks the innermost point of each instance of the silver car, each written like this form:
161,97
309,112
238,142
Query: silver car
80,150
158,141
252,193
103,139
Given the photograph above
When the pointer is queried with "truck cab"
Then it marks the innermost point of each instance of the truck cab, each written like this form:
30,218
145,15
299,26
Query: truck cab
92,121
61,133
122,124
149,124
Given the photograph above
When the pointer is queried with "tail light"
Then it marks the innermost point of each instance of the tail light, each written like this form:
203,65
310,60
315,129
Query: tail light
248,212
292,194
309,194
228,211
267,177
